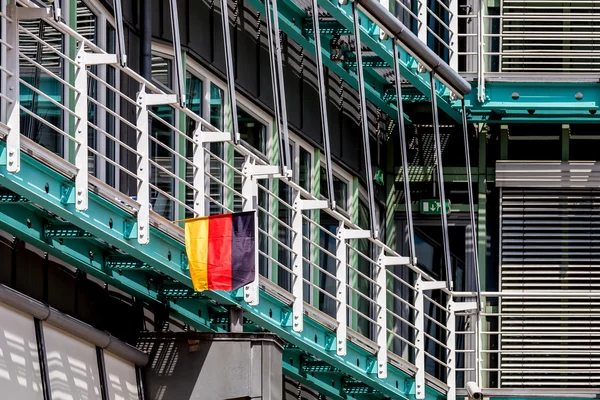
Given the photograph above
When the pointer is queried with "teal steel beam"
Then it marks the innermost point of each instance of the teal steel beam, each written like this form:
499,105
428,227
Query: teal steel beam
43,186
291,19
89,256
536,102
408,65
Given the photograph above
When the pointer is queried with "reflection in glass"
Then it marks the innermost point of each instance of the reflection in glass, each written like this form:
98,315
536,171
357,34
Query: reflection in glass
251,131
194,97
340,188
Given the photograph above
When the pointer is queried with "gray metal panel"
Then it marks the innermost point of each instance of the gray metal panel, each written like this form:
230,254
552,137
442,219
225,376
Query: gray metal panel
547,174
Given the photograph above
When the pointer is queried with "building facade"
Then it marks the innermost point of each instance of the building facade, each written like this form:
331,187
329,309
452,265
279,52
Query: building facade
422,174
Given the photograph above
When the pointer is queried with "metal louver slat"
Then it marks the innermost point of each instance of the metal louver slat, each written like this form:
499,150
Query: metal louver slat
550,244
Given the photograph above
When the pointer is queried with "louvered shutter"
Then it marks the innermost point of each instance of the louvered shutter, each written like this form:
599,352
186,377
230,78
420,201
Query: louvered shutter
549,243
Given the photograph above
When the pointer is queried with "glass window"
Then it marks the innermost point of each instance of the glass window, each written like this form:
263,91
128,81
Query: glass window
339,186
45,134
425,253
217,114
304,169
194,87
162,71
160,147
251,131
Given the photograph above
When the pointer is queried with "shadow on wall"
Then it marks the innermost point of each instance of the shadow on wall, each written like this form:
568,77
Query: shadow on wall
213,366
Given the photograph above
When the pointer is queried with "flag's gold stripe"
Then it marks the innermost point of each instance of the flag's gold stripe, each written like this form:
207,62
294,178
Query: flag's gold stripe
196,245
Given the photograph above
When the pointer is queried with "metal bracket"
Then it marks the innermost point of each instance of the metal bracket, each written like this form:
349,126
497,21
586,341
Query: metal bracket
381,301
306,205
395,260
130,229
432,285
460,306
25,13
357,234
214,137
13,136
297,265
341,272
67,194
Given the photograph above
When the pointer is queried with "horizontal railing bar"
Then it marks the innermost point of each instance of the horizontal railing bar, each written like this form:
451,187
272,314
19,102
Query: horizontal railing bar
223,184
406,284
435,303
361,314
439,343
50,99
222,161
364,296
52,74
313,243
279,220
372,281
49,125
285,267
435,359
170,150
401,338
48,46
119,166
323,270
172,175
273,195
279,242
394,295
322,229
114,90
114,139
114,114
173,128
321,290
404,320
172,198
436,322
217,203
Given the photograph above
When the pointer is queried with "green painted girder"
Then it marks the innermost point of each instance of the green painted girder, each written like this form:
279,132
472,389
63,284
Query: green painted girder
291,21
536,102
368,62
383,48
43,186
327,27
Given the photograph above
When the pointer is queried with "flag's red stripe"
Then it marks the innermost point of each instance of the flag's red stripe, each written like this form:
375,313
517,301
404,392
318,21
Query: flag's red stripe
219,252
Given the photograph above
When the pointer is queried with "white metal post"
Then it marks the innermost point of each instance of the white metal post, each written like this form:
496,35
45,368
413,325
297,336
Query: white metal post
341,272
143,168
453,308
199,177
250,193
13,143
419,340
297,276
451,351
143,173
250,172
453,35
81,130
422,22
381,301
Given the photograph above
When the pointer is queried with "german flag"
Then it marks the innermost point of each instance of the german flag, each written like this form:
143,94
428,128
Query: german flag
221,251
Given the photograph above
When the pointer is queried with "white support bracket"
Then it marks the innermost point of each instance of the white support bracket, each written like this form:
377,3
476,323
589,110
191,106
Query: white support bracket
433,285
26,13
453,308
250,173
341,272
13,140
306,205
297,275
422,20
420,340
393,260
81,129
214,137
82,60
381,301
200,182
357,234
143,148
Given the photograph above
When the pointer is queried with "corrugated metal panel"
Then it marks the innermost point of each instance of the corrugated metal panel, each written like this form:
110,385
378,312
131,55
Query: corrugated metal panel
550,243
548,174
550,36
